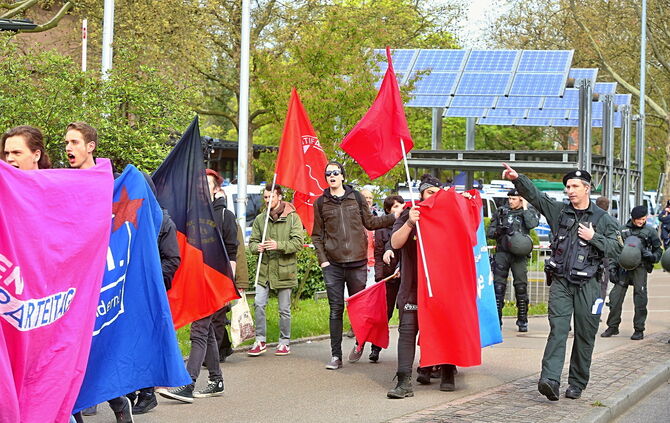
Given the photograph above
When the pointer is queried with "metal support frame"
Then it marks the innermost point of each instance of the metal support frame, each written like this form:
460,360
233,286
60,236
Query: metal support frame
608,143
624,198
584,148
436,133
639,158
470,129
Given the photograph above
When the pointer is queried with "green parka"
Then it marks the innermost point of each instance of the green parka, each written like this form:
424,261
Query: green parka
279,267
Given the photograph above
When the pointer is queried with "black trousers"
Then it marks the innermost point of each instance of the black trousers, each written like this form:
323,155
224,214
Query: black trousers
407,331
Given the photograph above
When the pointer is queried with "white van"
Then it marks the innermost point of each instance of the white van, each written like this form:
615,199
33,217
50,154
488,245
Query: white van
254,203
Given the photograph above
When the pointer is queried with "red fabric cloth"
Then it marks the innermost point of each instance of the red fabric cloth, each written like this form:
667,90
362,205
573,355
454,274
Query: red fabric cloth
301,161
448,321
371,248
367,314
375,140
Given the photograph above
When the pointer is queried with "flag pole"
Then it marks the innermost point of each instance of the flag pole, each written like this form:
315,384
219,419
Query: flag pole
265,228
418,227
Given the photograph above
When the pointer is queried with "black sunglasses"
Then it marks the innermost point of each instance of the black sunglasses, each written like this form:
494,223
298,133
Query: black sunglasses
333,172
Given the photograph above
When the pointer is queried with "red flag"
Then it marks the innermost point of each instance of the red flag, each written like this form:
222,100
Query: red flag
204,280
448,321
367,314
375,140
301,161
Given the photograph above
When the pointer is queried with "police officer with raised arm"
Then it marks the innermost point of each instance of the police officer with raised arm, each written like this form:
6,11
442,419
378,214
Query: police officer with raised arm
582,235
510,227
642,249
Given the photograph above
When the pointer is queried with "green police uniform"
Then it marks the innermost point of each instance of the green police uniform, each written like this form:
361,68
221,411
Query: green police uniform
574,281
636,277
504,223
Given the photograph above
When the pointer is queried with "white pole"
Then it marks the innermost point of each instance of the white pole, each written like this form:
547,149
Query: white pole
418,227
265,228
640,141
243,122
107,37
84,44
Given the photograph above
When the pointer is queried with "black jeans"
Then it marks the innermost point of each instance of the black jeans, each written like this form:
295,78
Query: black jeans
407,331
203,349
220,321
335,277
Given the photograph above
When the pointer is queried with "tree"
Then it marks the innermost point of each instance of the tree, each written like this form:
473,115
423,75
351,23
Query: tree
136,111
604,34
22,8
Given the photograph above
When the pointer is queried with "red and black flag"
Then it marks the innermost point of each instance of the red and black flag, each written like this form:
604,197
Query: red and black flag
203,282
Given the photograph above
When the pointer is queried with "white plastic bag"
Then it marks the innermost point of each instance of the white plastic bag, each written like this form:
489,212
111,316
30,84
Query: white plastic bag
241,322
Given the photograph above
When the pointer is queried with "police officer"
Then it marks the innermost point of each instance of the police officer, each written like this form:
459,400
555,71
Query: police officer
582,235
508,222
637,276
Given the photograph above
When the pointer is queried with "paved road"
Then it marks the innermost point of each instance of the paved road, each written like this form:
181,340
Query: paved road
297,388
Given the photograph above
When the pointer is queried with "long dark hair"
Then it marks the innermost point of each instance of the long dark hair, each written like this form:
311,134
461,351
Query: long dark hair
34,141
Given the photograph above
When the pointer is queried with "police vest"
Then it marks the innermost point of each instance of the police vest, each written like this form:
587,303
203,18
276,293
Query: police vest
571,257
509,224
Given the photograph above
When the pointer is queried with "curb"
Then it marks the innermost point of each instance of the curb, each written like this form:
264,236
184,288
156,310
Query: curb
621,401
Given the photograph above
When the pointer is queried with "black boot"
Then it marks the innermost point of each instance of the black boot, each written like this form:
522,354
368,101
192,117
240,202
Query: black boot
447,381
403,389
423,375
522,314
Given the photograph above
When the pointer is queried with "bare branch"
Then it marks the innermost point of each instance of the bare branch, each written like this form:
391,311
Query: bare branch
54,21
22,7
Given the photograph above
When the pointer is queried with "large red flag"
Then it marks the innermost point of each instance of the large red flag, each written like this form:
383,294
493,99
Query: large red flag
375,140
301,161
448,321
204,280
367,314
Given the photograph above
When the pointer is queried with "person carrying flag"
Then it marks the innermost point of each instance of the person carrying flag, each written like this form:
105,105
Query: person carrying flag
341,217
583,234
23,148
404,238
278,268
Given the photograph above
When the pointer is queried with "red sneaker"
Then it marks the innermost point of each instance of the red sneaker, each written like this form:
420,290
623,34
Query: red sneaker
258,349
283,350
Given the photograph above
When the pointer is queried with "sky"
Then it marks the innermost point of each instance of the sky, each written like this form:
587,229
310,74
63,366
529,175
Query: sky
480,13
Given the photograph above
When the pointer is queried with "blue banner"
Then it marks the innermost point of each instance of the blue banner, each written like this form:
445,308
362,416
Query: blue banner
489,325
134,343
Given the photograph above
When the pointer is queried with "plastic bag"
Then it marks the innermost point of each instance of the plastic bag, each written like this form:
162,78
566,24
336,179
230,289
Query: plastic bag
241,322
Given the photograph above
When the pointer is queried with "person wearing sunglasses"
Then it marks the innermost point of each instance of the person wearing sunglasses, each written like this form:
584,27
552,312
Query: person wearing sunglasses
341,217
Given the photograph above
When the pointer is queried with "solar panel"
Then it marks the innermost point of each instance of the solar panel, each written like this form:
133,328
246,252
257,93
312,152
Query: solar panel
605,87
620,99
483,84
597,109
568,123
513,113
545,61
538,84
532,122
464,112
583,73
429,101
491,61
548,114
435,83
495,121
570,100
402,59
441,60
473,101
520,102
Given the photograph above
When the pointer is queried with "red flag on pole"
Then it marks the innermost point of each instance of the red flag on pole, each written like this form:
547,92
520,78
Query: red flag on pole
375,140
301,161
448,321
367,314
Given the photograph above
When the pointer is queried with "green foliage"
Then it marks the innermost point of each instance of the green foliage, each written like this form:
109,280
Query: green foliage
135,111
533,309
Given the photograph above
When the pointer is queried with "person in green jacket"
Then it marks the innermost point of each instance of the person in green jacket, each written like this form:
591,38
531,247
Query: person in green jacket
279,265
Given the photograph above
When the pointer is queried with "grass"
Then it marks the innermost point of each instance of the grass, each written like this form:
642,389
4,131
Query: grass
310,318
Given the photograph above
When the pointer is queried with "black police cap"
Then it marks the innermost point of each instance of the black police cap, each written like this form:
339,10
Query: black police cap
513,193
577,174
638,212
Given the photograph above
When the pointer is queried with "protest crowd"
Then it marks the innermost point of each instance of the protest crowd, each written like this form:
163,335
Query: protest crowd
175,245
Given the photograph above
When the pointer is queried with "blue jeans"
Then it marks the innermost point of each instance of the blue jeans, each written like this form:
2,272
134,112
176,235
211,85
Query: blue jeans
284,296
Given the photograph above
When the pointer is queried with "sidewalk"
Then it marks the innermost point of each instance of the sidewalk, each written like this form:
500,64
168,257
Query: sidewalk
297,388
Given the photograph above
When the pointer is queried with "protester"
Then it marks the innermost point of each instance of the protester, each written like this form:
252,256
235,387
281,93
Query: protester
23,148
510,223
637,276
583,235
403,238
664,218
340,220
369,199
204,348
81,140
284,237
386,262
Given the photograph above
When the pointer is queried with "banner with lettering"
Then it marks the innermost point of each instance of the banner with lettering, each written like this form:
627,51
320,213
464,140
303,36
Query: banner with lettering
134,342
54,232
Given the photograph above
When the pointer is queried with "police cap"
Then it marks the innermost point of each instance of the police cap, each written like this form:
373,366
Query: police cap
638,212
513,193
577,174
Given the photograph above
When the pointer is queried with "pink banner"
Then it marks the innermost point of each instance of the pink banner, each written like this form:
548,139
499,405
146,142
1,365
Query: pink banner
54,233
